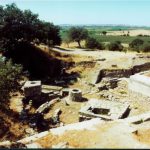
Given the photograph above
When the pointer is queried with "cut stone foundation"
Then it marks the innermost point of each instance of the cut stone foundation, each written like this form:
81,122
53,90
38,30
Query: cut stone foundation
140,83
103,109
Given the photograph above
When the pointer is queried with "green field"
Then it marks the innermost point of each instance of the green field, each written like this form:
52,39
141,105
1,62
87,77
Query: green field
95,31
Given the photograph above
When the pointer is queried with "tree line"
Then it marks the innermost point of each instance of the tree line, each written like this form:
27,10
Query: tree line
77,34
20,30
18,26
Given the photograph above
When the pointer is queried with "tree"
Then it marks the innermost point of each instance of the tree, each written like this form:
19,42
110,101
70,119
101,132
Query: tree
77,34
66,38
20,30
128,34
104,32
24,26
93,43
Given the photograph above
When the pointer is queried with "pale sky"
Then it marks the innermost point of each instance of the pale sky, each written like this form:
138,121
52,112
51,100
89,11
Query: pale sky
129,12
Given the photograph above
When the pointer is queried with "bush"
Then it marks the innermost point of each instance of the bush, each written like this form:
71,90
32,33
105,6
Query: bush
92,43
140,35
104,32
145,47
10,76
115,46
136,44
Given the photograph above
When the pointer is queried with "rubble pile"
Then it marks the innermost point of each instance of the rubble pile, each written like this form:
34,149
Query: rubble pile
118,93
108,83
40,98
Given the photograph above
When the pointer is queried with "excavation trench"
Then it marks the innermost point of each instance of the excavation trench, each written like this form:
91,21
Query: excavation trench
119,73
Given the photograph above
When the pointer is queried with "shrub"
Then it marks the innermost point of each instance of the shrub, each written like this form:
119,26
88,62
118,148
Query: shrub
104,32
115,46
145,47
140,35
136,44
93,43
10,76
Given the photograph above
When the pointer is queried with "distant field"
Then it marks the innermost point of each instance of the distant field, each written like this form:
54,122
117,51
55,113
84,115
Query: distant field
106,39
115,33
137,32
118,35
122,39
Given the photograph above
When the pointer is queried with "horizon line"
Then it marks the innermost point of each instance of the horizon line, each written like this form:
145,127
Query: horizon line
96,24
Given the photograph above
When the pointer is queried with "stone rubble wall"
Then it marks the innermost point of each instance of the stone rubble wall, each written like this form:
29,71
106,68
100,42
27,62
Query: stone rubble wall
119,73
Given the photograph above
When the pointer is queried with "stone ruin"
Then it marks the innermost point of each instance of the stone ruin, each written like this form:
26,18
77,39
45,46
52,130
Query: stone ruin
32,88
140,83
75,95
106,110
41,97
108,83
36,91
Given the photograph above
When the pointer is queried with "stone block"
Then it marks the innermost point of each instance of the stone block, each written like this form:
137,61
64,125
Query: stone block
104,109
51,88
65,92
140,83
75,95
32,88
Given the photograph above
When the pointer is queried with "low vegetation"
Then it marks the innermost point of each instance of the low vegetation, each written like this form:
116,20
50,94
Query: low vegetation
10,76
146,47
115,46
140,45
93,43
136,44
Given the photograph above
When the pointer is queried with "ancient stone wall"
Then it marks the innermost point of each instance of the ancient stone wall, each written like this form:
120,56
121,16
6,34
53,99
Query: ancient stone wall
115,73
118,73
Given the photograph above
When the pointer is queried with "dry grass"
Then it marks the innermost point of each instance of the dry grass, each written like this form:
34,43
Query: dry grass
73,44
131,32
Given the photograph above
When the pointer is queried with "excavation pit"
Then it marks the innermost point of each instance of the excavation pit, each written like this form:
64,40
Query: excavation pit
106,110
103,111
